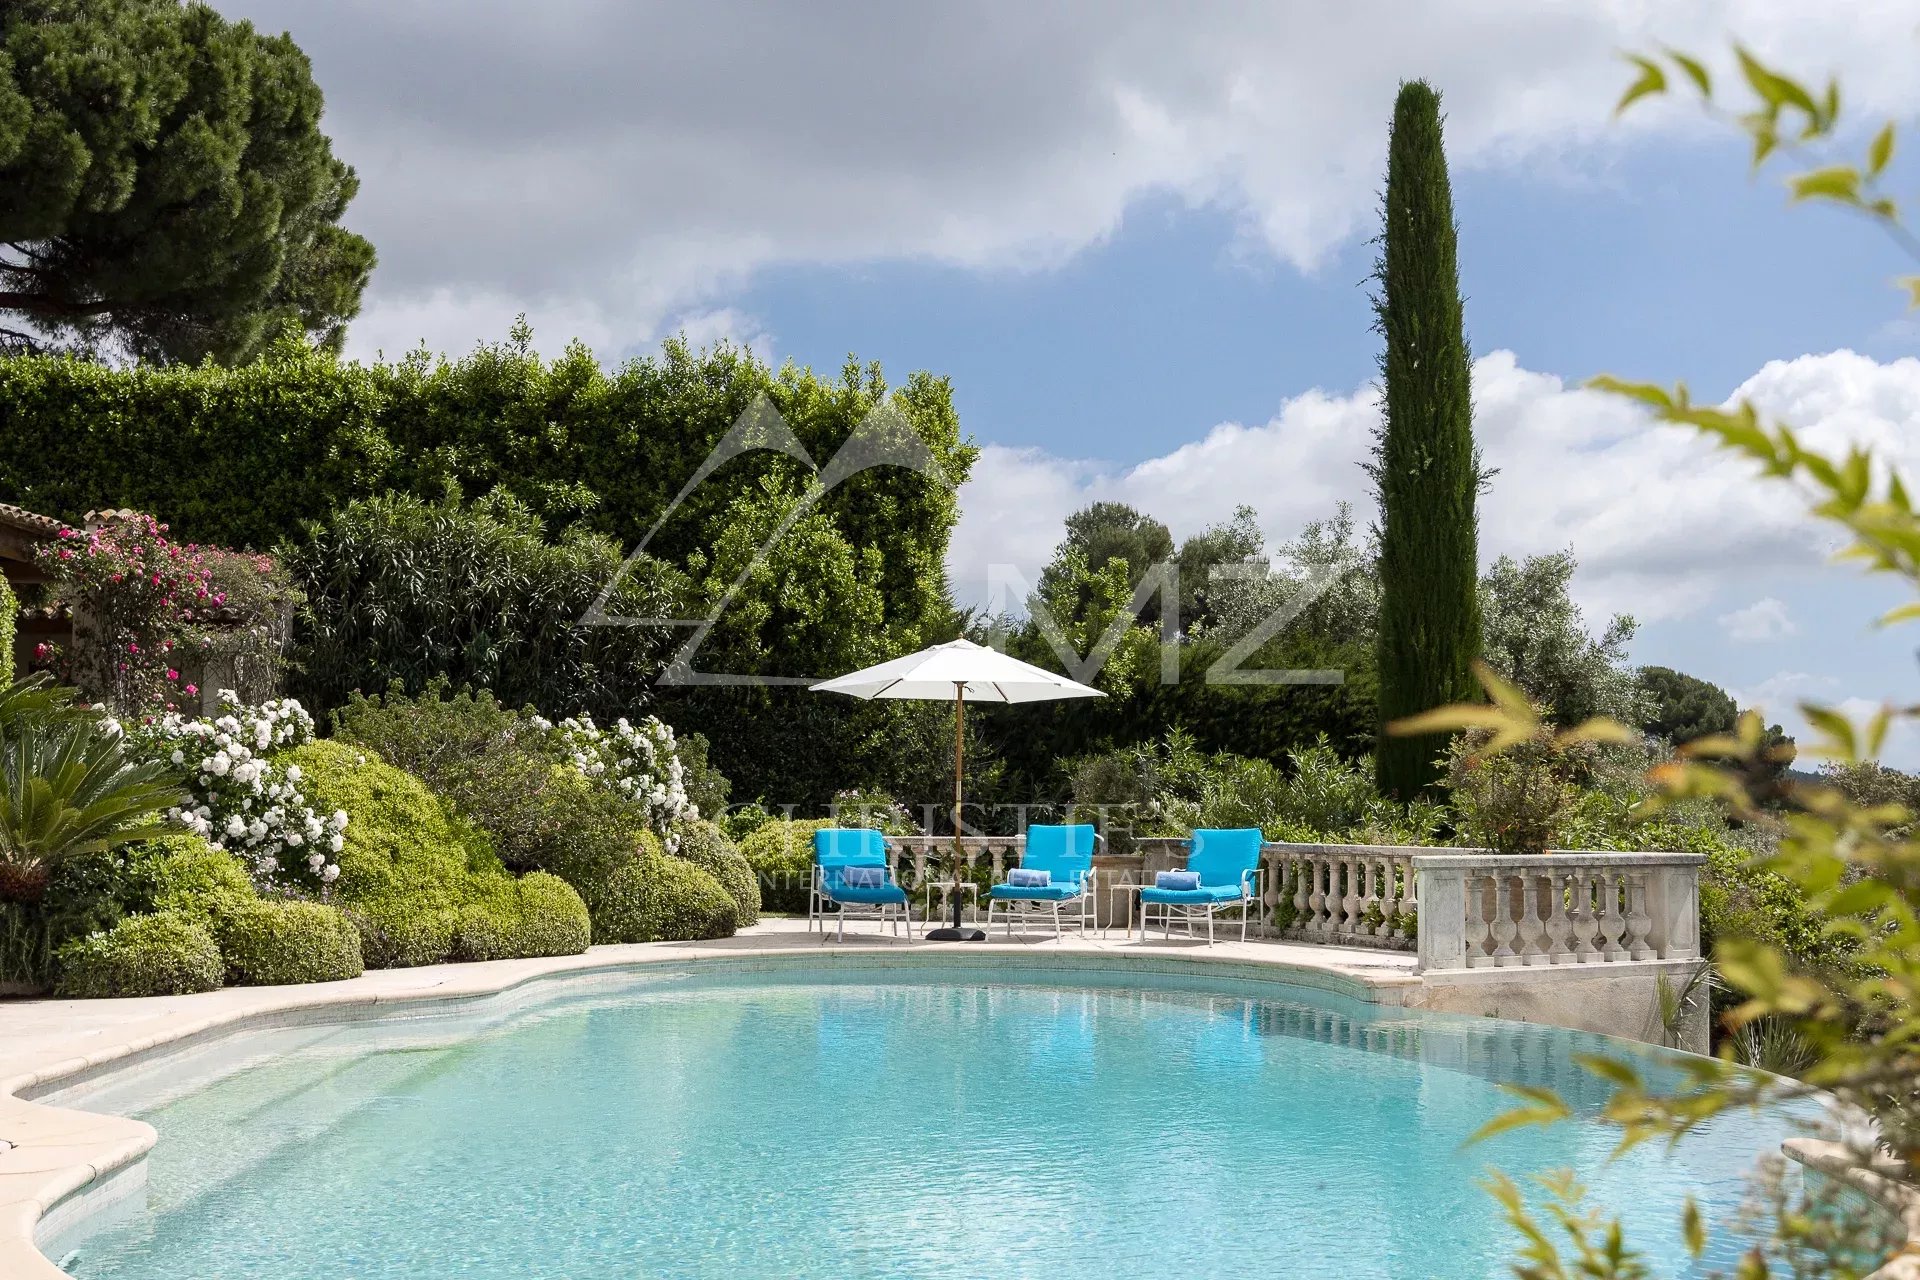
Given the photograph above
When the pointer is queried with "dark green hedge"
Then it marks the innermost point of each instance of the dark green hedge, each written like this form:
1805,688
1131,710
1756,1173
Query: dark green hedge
242,456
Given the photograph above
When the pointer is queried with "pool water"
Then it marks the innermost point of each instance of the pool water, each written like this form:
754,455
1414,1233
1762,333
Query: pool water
934,1124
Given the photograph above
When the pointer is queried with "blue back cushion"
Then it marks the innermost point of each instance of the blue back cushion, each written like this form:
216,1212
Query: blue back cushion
838,847
1221,854
1066,853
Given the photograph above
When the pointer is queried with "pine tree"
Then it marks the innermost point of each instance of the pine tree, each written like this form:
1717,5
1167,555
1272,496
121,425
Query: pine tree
1425,468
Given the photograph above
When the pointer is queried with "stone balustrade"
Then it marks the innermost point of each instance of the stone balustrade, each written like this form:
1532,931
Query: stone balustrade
1356,895
1485,910
917,859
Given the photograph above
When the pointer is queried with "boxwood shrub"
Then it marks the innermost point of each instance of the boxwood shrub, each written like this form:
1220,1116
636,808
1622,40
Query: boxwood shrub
537,915
781,855
656,898
164,954
412,869
706,846
267,943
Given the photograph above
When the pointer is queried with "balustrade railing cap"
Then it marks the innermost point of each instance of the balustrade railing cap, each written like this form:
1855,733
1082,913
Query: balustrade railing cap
1479,859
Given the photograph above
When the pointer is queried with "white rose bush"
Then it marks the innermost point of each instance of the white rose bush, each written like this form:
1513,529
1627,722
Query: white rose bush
243,803
640,763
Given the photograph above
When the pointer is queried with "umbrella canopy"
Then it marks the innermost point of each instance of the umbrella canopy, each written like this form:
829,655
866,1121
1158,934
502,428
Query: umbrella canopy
965,672
978,673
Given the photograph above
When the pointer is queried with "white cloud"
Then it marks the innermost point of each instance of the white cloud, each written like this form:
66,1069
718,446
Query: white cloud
1767,618
1658,519
604,166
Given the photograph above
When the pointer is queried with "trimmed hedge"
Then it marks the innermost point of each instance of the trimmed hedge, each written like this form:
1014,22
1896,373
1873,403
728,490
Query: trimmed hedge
706,846
268,943
781,856
657,898
165,954
412,870
538,915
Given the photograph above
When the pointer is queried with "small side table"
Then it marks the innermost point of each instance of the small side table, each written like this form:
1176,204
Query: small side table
1126,887
945,888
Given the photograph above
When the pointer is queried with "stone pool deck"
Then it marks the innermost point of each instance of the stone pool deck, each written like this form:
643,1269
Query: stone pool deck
58,1164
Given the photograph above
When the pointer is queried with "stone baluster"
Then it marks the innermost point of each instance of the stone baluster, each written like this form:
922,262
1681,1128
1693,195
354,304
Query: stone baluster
1586,924
1559,927
1503,928
1532,936
1476,930
1613,925
1302,893
1639,923
1352,904
1409,891
1317,900
1389,898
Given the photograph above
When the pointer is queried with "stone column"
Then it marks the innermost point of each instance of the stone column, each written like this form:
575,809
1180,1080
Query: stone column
1442,895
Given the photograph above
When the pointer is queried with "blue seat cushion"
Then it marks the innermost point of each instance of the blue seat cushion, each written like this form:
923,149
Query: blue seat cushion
863,877
875,894
1035,893
1204,894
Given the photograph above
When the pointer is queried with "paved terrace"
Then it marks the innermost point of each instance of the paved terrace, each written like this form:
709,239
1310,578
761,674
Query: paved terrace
58,1163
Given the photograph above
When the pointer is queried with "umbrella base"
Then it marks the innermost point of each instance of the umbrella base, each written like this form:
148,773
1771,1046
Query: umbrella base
955,935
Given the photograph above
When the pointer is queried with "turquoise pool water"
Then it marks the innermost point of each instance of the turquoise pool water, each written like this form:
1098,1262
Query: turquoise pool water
810,1124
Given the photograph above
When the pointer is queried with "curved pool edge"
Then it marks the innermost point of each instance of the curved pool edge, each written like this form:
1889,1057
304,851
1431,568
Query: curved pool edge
60,1165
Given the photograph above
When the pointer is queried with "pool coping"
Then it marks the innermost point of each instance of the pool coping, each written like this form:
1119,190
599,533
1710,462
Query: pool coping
59,1165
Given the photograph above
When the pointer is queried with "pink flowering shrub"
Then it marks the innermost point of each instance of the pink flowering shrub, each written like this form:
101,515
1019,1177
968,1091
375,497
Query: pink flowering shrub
149,611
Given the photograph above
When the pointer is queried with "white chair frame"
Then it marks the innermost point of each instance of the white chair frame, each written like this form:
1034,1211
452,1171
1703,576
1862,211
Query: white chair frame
820,903
1080,912
1248,900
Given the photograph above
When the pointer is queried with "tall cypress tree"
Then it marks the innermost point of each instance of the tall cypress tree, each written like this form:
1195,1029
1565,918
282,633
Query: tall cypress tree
1425,468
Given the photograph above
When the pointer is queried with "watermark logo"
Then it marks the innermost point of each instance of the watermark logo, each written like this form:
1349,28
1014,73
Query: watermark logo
885,438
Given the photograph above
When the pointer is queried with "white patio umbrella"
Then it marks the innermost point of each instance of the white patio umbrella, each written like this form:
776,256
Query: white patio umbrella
966,672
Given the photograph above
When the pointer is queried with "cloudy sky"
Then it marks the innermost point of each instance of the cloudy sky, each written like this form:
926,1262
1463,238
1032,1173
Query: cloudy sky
1135,236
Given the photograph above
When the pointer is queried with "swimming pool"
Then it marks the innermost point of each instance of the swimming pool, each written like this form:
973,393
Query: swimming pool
806,1122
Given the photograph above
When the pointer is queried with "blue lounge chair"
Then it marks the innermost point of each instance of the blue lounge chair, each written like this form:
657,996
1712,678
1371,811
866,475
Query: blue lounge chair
850,873
1066,855
1226,863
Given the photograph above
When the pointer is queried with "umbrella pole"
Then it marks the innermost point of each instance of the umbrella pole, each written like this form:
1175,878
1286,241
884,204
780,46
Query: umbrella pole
956,932
959,739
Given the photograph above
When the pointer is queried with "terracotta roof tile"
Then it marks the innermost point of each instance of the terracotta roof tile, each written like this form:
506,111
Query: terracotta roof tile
20,518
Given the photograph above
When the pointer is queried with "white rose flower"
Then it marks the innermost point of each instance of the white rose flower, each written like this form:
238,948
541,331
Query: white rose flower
332,872
337,843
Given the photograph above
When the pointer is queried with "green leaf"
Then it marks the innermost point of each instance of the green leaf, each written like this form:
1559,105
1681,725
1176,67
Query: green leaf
1835,182
1696,72
1881,151
1610,1069
1651,80
1692,1229
1650,392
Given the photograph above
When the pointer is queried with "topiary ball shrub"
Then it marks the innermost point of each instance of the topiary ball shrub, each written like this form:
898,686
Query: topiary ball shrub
538,915
657,898
165,954
270,944
189,877
781,856
395,934
706,846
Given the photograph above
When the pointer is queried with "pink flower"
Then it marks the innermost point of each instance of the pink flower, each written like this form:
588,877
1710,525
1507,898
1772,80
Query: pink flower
132,647
193,690
65,554
41,651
